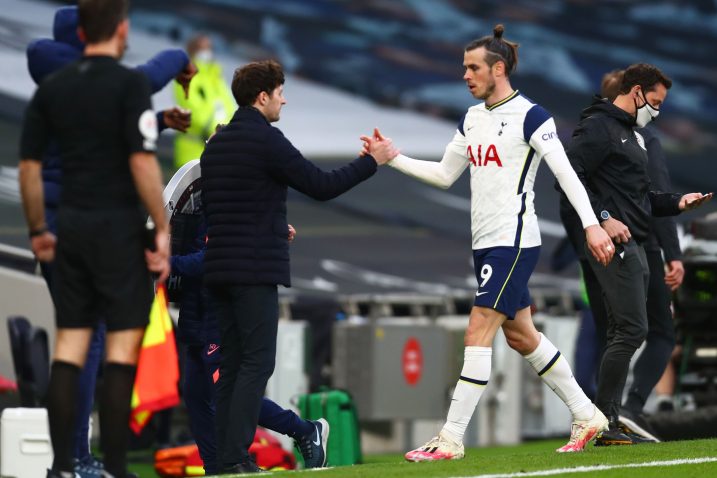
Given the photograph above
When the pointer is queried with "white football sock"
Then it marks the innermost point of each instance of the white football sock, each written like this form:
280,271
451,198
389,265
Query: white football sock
555,371
470,386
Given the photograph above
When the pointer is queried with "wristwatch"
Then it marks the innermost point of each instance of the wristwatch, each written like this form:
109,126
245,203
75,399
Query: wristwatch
37,232
604,215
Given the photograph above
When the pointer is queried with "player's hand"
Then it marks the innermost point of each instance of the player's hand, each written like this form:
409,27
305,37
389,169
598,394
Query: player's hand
382,149
675,274
292,233
693,200
617,231
600,244
185,77
177,118
43,246
158,260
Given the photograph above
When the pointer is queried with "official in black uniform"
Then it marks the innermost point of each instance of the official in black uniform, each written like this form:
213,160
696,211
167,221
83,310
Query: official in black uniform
610,159
100,114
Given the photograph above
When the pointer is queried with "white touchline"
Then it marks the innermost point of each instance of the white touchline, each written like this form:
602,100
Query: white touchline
588,469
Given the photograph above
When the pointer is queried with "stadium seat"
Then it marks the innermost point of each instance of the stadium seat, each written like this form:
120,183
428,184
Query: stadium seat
30,356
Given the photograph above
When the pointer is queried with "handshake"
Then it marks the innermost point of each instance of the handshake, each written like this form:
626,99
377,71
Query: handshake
380,148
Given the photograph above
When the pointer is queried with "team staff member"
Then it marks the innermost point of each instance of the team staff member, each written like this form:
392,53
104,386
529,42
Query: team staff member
247,168
44,57
208,98
662,238
99,112
610,158
502,141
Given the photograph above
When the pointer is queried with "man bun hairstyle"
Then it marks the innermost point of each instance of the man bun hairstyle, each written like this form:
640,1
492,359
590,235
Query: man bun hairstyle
497,49
253,78
646,76
99,18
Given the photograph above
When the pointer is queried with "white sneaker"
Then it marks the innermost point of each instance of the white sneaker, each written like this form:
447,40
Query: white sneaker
582,431
438,448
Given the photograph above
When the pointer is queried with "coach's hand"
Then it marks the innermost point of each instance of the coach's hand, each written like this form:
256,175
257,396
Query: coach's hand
693,200
600,244
617,231
382,149
158,260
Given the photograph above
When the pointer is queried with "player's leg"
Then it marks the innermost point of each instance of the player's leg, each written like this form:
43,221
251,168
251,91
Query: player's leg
311,436
493,269
448,445
555,371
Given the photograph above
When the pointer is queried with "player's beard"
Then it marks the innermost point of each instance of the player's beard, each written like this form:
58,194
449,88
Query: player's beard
489,89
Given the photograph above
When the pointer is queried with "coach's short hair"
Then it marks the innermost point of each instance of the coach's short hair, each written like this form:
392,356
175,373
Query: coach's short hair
99,18
645,75
255,77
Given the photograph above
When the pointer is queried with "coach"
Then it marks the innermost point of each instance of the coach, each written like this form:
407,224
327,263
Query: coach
246,170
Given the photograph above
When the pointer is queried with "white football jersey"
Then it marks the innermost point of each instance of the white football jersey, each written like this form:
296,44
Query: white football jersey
503,145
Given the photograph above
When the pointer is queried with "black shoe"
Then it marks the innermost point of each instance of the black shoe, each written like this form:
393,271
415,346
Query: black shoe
613,436
239,468
637,439
313,446
635,424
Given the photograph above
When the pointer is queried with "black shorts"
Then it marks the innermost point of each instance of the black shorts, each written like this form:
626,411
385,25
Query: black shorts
100,270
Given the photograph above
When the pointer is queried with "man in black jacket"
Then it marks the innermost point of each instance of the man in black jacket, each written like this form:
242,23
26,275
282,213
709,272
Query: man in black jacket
610,158
246,170
662,238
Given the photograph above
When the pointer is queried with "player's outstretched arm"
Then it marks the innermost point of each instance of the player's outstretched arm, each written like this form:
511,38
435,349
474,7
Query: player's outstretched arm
440,174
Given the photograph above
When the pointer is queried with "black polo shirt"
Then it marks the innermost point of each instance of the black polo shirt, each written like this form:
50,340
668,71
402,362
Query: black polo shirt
100,113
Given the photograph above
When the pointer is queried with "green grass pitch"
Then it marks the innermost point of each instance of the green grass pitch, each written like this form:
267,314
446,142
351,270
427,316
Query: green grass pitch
533,457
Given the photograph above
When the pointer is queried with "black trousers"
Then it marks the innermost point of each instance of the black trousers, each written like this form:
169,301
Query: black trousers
660,341
248,319
624,284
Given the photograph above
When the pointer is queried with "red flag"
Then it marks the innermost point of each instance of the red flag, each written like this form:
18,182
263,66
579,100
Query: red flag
156,383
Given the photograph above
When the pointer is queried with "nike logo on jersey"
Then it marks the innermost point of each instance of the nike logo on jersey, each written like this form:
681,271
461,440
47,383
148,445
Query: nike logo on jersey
212,348
624,140
478,294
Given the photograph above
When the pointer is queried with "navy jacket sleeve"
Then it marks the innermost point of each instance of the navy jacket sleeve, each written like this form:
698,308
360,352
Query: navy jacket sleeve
163,67
588,147
189,265
289,166
664,228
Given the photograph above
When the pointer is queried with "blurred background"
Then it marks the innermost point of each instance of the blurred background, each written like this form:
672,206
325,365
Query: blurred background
392,247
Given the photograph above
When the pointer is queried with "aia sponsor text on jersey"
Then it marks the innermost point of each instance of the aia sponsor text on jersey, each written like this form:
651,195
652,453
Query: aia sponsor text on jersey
491,155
